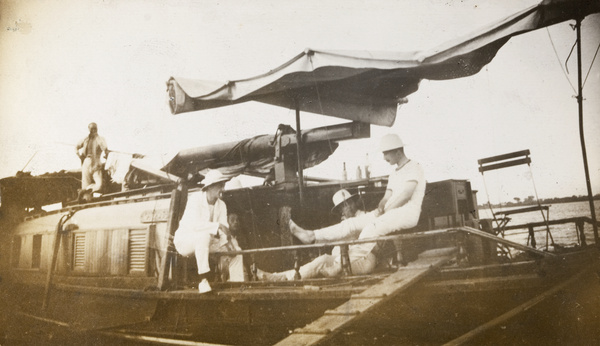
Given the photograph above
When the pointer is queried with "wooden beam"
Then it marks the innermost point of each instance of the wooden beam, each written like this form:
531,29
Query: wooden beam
550,222
178,194
523,210
514,312
504,241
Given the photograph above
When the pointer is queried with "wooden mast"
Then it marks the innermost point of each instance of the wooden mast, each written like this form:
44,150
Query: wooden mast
581,134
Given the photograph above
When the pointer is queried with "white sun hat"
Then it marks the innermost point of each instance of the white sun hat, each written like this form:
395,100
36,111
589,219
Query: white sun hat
340,197
390,142
212,177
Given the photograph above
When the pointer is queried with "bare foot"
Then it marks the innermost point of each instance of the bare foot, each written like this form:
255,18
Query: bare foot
305,236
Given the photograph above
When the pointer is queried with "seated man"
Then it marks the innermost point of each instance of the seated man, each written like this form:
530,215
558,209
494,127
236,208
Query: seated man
232,267
325,265
399,209
204,227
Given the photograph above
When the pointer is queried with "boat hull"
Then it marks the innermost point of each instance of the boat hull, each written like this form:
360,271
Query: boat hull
445,305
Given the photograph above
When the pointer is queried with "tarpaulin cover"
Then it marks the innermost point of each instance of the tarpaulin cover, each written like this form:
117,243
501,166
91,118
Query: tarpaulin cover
368,86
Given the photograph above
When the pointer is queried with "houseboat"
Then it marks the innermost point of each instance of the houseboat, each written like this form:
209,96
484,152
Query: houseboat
107,269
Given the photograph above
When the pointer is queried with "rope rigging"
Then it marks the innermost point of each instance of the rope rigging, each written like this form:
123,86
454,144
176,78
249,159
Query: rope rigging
565,69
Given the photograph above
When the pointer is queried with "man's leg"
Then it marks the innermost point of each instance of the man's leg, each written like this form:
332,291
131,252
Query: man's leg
348,229
315,268
236,269
202,242
202,248
197,243
393,220
360,266
305,236
97,185
345,230
86,173
184,243
363,265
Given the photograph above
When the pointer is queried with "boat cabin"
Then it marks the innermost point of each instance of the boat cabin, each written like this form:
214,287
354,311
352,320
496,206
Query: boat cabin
120,241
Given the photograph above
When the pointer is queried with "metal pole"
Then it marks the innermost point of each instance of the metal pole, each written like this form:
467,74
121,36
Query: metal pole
581,135
299,155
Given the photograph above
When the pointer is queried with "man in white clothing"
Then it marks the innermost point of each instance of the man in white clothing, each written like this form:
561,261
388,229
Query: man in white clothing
90,151
204,227
399,209
328,265
232,267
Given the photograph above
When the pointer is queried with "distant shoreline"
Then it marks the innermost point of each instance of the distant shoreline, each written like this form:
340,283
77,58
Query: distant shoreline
530,201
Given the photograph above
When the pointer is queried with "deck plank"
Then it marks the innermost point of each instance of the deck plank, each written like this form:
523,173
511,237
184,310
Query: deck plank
333,320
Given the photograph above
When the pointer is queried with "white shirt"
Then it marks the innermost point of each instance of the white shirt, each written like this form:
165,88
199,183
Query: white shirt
199,216
411,171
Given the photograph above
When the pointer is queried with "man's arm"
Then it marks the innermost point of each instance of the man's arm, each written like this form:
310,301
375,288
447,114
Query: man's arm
80,145
382,203
404,196
222,220
103,146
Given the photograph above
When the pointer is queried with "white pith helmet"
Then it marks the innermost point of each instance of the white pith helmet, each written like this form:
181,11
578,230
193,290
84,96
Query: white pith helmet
212,177
390,142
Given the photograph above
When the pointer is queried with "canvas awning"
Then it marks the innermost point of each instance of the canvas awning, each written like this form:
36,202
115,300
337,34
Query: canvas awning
368,86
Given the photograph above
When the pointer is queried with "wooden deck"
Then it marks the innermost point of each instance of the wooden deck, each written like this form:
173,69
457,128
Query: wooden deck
334,320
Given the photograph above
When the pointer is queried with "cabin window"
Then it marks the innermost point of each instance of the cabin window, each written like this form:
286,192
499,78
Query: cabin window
36,253
16,251
137,249
79,251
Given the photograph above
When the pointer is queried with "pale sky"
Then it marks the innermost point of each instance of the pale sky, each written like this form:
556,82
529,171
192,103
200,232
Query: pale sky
64,64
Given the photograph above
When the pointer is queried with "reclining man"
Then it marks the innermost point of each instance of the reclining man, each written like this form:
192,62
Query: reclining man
325,265
399,209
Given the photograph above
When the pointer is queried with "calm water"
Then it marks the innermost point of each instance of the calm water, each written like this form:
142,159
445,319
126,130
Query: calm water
563,234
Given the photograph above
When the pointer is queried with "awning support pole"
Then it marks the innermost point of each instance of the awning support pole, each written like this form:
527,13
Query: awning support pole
299,154
581,135
178,197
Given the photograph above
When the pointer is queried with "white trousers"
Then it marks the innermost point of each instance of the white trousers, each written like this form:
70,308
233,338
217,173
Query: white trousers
393,220
200,244
331,266
232,268
194,243
90,178
348,229
365,226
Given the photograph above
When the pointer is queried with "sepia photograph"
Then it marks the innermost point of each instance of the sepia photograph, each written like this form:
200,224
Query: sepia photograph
332,172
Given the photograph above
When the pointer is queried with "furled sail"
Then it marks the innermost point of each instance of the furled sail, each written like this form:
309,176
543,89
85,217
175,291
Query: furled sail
368,86
257,155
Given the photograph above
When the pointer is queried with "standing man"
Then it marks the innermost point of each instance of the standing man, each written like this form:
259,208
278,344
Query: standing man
90,150
399,209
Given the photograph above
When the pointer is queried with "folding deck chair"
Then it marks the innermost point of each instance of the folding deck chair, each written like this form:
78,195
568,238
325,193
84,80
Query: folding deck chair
502,218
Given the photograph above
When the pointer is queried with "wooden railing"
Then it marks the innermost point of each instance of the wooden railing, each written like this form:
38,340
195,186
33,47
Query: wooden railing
344,246
579,221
